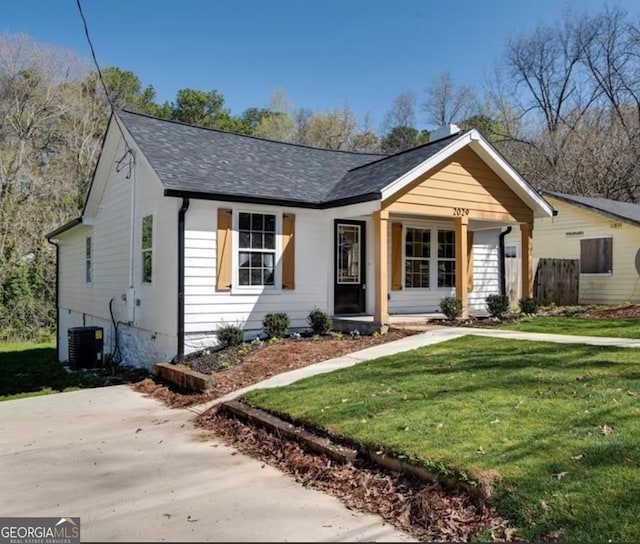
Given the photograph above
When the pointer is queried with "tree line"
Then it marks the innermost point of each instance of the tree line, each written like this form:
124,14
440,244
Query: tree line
562,105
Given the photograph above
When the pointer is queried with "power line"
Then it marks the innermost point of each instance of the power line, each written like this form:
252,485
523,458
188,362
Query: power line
104,85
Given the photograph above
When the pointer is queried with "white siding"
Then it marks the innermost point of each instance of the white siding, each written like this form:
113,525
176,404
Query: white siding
155,315
206,308
486,268
550,240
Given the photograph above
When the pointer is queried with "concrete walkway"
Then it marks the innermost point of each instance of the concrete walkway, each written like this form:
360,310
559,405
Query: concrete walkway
135,470
434,336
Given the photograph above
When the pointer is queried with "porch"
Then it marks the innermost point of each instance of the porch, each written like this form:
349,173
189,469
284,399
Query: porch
367,324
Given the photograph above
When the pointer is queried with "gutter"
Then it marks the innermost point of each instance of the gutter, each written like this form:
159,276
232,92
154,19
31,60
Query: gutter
274,201
57,295
64,228
501,263
181,222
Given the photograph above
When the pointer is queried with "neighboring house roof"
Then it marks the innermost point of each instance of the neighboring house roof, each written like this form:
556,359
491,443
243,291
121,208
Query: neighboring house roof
624,211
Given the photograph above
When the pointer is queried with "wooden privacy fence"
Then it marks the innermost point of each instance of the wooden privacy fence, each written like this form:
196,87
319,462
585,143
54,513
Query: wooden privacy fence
557,281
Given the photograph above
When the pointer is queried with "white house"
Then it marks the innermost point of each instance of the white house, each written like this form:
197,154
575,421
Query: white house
185,229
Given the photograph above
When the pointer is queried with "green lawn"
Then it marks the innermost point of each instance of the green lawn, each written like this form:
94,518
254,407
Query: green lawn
31,369
531,413
616,328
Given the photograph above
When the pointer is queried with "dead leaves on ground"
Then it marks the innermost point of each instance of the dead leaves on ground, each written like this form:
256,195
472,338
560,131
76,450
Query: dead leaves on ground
427,511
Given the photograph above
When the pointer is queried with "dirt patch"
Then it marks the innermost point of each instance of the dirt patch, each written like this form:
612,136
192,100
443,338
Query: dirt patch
427,511
264,362
623,312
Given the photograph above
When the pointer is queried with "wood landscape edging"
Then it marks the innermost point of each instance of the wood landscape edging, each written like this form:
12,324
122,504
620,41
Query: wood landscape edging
185,378
344,454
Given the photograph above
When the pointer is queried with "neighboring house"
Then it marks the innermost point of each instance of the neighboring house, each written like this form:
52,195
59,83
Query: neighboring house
603,234
185,229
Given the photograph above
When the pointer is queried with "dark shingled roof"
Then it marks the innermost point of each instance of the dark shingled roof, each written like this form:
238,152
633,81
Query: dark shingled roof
377,175
624,211
203,162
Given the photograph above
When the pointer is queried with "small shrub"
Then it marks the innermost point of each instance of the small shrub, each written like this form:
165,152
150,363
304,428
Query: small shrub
274,340
319,321
244,349
355,334
529,305
451,307
316,337
337,335
497,305
276,325
296,336
256,342
230,335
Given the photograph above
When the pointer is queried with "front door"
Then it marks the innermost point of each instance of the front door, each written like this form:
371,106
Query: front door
349,291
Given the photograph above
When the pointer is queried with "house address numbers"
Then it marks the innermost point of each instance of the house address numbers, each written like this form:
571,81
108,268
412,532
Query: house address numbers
460,212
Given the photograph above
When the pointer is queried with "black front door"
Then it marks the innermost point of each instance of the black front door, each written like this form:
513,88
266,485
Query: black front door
349,276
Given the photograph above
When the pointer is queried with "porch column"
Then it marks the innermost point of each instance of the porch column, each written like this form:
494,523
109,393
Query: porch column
462,264
526,245
380,222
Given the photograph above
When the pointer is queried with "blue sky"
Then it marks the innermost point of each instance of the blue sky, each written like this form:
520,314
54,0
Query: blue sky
324,54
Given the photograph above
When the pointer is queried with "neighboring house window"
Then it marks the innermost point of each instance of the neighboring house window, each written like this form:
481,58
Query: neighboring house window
511,252
417,249
88,260
147,249
256,249
446,258
596,255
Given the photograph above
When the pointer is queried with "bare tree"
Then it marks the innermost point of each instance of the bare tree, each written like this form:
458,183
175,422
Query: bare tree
402,112
447,102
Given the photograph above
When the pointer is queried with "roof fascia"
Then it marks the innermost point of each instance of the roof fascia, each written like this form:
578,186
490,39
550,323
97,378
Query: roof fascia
64,228
599,211
494,160
98,163
508,174
137,151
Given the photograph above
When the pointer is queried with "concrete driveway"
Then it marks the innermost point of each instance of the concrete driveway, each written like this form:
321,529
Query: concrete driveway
134,470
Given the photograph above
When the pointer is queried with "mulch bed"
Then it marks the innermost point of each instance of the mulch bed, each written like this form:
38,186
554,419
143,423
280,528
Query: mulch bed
264,362
427,511
623,312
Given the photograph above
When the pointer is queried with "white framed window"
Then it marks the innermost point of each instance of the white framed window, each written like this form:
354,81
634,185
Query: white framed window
88,260
596,255
257,246
446,258
417,258
147,249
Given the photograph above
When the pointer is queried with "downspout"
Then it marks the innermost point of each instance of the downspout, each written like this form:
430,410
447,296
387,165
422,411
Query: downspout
501,263
181,215
57,298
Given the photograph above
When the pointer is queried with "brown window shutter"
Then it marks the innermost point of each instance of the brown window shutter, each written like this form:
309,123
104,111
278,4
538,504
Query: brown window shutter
396,256
469,260
224,250
288,251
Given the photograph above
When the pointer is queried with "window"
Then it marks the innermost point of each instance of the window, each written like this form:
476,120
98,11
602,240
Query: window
596,255
417,250
256,249
511,252
88,260
446,258
147,249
